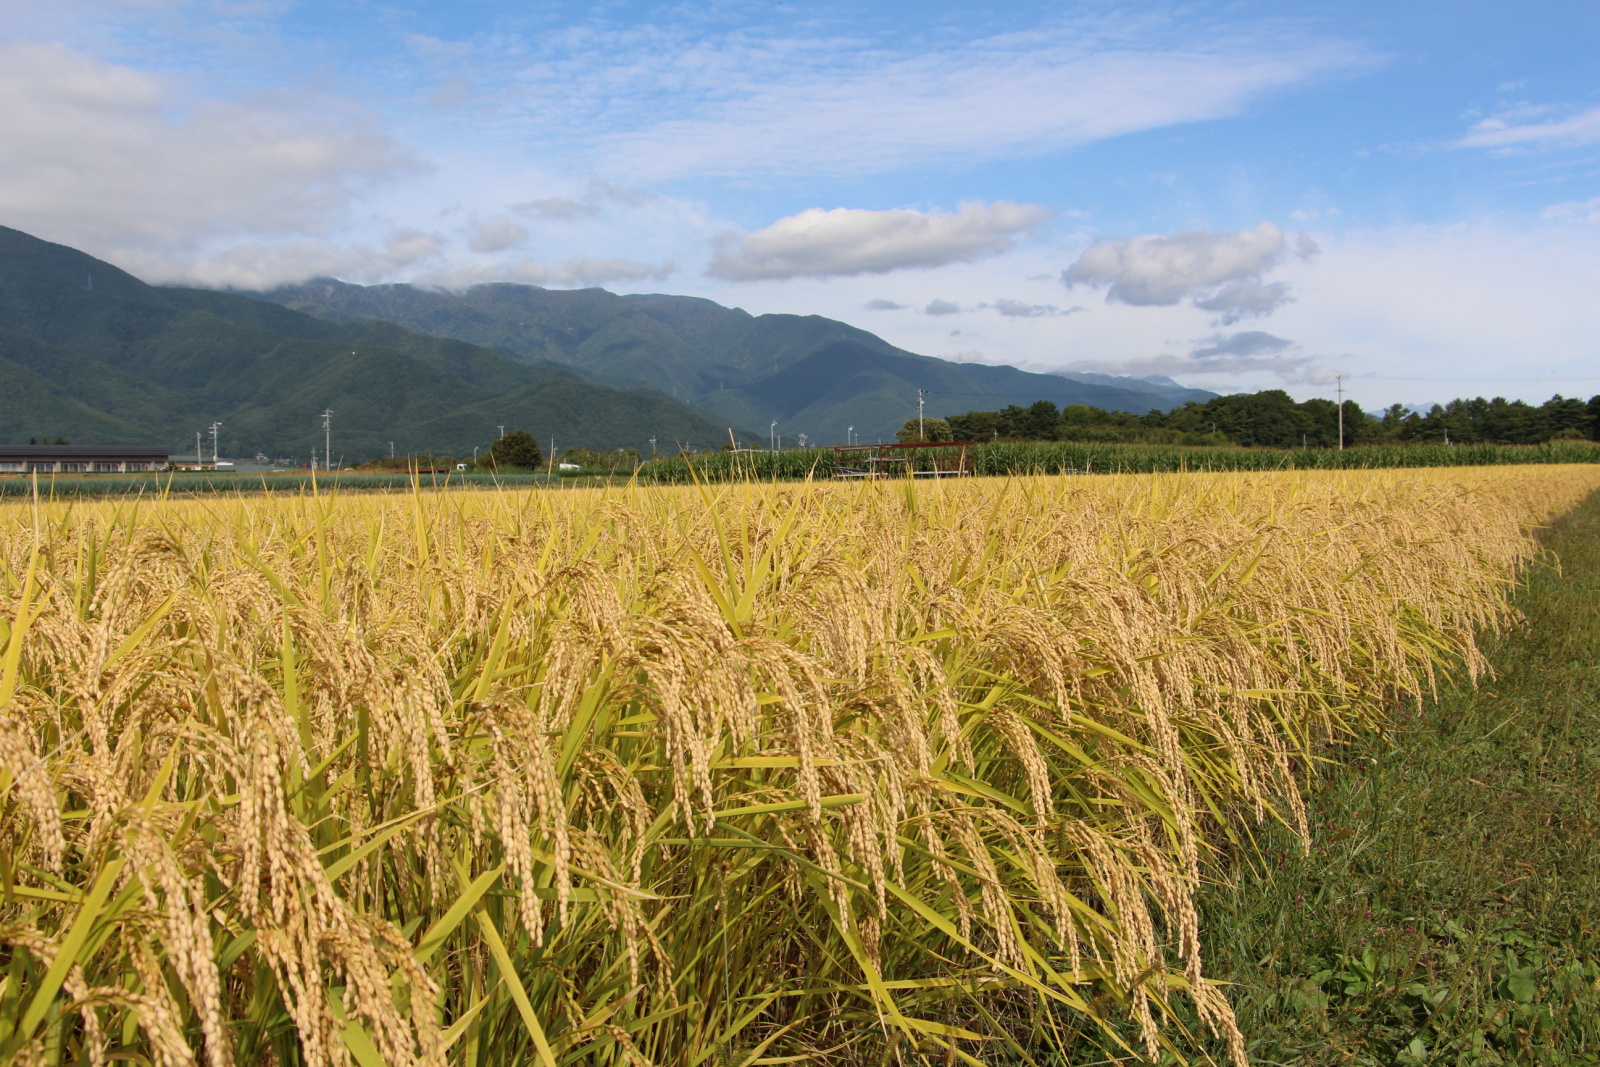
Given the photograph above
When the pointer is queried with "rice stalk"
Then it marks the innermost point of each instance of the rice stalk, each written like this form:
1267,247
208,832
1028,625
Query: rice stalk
649,775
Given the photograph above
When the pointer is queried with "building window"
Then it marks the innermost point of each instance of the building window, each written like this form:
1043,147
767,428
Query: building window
134,465
12,466
74,466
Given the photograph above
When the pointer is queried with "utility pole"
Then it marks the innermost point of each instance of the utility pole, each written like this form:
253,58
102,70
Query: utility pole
772,436
391,449
215,426
502,431
199,456
802,442
921,436
849,435
327,436
652,448
1340,379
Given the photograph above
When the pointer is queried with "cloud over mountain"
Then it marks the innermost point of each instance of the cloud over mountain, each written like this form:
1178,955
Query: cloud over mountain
1245,352
584,270
843,241
1218,271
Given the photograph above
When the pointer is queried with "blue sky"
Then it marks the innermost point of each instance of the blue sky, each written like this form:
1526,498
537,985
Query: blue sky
1237,195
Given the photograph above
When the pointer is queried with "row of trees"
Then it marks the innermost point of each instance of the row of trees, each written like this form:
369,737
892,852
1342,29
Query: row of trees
1272,418
517,450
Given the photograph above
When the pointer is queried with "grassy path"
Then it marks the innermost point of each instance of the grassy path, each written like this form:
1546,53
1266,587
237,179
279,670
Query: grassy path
1450,910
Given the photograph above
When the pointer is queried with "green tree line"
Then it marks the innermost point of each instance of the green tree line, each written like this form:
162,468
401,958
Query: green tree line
1274,419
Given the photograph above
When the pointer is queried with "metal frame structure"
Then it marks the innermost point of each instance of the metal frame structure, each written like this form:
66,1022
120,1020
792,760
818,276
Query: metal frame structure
898,461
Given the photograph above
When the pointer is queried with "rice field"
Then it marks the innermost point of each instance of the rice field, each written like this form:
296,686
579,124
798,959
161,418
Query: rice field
727,774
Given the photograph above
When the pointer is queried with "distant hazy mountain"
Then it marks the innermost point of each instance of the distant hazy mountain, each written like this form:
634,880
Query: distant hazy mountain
92,354
1160,384
809,374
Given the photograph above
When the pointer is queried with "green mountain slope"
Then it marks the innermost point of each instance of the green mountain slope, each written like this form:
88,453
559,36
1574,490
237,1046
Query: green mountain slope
90,353
809,374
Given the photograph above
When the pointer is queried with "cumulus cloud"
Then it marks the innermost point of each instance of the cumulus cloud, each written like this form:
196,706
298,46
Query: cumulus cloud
841,241
1246,297
881,304
1245,352
1504,132
112,159
1219,271
496,234
941,307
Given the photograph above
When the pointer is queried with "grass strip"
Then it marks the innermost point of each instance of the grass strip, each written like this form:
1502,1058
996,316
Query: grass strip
1449,910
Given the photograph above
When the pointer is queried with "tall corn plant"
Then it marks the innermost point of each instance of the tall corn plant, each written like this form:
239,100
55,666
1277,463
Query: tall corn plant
722,774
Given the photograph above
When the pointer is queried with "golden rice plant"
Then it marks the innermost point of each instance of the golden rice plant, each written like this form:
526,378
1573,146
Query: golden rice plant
732,775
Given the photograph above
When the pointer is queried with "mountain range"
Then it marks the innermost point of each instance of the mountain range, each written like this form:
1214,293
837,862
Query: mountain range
806,373
90,353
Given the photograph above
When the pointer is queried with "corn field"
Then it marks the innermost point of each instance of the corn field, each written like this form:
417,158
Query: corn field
1069,457
735,774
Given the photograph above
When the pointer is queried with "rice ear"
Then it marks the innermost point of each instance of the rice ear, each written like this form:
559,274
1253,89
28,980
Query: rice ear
751,771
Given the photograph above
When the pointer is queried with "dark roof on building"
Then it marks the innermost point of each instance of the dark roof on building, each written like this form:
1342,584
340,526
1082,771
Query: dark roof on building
83,451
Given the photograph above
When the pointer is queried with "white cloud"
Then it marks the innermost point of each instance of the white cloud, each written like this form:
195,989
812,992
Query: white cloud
111,159
819,243
496,234
1574,211
1502,131
942,307
1219,271
882,107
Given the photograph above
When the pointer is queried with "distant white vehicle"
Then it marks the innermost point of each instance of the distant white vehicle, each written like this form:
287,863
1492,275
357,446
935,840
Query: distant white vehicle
461,466
223,464
568,467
